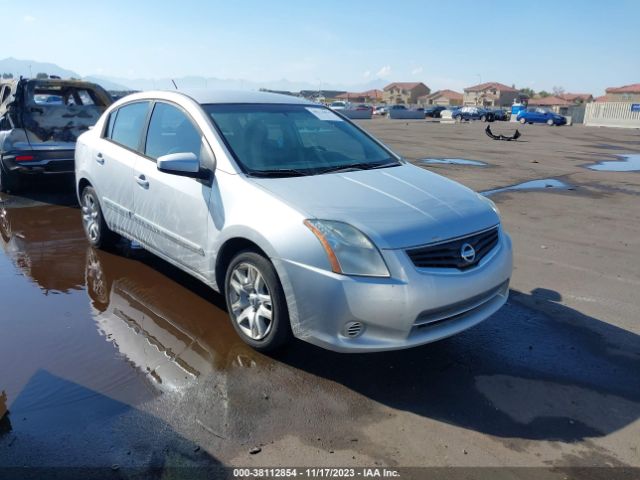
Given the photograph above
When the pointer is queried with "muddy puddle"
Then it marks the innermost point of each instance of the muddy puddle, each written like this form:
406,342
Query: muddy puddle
626,163
453,161
542,184
117,358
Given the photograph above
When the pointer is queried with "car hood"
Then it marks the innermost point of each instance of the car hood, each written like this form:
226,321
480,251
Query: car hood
396,207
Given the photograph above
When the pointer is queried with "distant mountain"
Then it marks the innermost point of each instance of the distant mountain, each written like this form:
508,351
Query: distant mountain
30,68
106,83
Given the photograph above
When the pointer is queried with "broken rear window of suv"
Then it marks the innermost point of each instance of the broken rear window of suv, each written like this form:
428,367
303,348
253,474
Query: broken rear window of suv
59,111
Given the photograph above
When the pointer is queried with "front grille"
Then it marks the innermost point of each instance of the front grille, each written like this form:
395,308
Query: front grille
449,254
458,309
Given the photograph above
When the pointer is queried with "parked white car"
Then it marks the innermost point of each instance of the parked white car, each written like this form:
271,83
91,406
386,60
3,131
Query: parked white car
338,106
309,226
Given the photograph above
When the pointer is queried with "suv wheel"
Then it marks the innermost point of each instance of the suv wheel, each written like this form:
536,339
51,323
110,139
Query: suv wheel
550,122
95,228
9,181
523,121
256,303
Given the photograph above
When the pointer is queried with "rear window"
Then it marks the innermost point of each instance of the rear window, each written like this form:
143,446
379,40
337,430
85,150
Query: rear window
64,95
128,124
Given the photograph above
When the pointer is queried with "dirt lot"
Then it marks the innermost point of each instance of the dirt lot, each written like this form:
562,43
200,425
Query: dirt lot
117,359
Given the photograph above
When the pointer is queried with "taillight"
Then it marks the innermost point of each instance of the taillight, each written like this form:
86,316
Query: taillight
24,158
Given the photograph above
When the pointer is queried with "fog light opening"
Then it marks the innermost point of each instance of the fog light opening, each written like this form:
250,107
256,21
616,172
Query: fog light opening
353,329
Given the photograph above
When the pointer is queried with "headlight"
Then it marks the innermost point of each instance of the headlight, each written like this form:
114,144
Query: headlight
349,250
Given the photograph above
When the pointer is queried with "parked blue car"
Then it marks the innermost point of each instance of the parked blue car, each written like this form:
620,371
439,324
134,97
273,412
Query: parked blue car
500,114
541,115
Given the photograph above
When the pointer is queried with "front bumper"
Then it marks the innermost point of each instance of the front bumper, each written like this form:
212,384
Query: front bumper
412,307
44,161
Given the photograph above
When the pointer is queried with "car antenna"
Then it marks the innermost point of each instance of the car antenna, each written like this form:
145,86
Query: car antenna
174,83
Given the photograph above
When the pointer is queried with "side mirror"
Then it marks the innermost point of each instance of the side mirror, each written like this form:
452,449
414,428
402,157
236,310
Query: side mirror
185,164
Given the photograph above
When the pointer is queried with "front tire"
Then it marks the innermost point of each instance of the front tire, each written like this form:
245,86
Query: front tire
256,302
523,121
95,228
550,122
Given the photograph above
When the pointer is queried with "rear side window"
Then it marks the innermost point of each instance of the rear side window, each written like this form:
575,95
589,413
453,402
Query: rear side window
171,131
128,124
110,123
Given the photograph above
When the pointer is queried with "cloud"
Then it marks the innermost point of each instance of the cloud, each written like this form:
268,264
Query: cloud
384,71
417,70
367,74
29,18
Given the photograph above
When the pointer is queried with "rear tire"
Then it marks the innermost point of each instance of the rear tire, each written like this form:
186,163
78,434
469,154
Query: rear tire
550,122
95,228
483,118
523,121
9,181
256,302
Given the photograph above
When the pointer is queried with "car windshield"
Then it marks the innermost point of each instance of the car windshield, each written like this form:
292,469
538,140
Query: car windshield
293,140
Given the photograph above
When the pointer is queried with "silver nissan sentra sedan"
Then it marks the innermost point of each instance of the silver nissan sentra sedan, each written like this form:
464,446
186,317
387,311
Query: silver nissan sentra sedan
306,224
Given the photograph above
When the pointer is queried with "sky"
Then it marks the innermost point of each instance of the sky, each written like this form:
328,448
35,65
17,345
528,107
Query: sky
581,46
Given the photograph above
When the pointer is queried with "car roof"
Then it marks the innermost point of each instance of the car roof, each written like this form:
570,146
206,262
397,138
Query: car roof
207,96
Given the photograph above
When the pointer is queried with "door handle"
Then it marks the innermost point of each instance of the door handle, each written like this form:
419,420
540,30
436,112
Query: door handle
142,181
100,159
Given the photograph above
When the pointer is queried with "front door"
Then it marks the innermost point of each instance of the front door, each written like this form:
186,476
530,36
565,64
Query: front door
171,211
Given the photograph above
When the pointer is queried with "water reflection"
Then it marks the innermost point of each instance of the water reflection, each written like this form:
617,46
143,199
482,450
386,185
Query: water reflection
626,163
542,184
46,243
170,333
454,161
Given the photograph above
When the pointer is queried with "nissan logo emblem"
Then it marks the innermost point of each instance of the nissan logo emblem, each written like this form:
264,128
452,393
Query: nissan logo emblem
467,252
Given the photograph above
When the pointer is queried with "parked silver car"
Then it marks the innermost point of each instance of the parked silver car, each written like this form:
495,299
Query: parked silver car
309,226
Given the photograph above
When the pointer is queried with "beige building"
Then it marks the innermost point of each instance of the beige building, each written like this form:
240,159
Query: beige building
444,98
370,96
491,94
627,93
406,93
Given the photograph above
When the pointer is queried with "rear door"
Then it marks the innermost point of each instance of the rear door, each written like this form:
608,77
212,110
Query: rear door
172,210
114,160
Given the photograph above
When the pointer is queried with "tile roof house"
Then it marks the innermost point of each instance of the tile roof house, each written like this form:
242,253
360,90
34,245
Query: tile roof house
490,94
441,97
626,93
405,92
550,101
576,97
370,96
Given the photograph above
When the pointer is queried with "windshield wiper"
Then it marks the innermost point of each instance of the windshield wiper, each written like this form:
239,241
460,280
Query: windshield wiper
278,172
356,166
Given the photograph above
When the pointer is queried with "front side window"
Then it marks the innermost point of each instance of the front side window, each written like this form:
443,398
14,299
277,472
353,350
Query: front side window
171,131
295,139
128,124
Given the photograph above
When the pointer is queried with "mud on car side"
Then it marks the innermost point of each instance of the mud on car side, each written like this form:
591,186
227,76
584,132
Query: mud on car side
40,121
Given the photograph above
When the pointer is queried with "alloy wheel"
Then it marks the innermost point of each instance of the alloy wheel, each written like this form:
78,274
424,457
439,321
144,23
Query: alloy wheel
250,301
90,217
